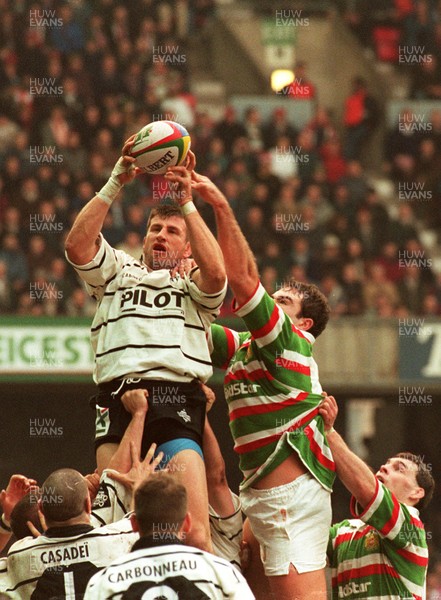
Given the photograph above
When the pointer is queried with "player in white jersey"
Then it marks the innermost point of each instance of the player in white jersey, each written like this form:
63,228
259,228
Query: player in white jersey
149,328
60,562
75,545
160,565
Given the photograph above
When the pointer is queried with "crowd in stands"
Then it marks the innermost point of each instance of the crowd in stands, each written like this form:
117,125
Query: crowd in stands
72,94
403,32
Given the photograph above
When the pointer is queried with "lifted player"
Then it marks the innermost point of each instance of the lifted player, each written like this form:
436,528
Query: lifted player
150,327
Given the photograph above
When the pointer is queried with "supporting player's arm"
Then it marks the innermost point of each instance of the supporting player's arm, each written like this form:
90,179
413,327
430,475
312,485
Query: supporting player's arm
219,495
355,475
18,486
135,402
208,256
82,242
240,263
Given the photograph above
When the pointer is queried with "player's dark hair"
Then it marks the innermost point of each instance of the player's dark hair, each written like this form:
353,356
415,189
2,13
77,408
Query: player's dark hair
160,504
165,211
63,495
423,476
314,304
25,510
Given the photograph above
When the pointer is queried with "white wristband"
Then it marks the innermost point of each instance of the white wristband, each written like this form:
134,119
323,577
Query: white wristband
109,191
188,208
332,430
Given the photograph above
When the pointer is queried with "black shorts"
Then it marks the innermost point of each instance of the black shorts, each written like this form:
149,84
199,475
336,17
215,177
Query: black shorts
175,410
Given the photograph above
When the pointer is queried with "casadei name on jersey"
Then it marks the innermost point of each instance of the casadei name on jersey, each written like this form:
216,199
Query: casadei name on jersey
62,554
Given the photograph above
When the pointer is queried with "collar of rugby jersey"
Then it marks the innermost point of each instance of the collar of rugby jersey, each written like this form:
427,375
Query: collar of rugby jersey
69,531
150,541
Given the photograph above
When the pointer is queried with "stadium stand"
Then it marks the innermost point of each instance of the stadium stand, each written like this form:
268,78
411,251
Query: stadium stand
70,97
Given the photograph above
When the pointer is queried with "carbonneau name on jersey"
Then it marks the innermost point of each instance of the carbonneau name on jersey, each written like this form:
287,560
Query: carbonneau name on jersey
169,572
149,570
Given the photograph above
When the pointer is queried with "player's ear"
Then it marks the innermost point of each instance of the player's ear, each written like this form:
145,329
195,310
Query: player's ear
186,524
87,505
134,522
187,250
417,494
305,324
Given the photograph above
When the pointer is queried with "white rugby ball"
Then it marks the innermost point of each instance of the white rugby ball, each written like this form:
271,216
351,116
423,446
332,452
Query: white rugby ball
159,145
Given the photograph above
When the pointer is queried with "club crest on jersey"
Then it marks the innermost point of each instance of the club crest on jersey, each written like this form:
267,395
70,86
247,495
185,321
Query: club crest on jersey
184,415
101,500
371,541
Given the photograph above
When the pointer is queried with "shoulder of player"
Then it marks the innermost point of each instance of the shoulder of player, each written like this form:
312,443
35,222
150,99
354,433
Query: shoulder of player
119,527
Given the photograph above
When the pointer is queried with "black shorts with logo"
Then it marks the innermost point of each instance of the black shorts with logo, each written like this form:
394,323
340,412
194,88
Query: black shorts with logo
175,410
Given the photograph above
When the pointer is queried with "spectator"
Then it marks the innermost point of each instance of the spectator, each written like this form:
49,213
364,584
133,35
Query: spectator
277,126
229,129
254,130
376,285
352,285
360,118
301,88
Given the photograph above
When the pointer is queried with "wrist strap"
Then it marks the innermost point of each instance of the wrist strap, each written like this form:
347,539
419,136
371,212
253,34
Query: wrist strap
109,191
4,526
332,430
188,207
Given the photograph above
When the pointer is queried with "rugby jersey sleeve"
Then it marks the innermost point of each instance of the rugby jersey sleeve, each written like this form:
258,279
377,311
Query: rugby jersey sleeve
285,349
4,581
392,519
102,268
210,303
111,503
223,343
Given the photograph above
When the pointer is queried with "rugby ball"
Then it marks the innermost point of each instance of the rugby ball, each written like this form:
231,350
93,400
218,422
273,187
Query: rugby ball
160,145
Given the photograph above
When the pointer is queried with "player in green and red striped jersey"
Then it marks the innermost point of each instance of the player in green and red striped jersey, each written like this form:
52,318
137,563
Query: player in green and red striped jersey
273,393
382,553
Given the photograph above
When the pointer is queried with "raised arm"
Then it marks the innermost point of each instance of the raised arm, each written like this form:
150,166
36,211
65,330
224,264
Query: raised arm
240,263
135,402
219,495
18,486
211,275
355,475
82,242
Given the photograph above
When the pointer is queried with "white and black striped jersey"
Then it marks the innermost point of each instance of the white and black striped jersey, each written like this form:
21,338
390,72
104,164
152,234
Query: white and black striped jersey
111,503
157,568
59,563
147,324
226,532
4,579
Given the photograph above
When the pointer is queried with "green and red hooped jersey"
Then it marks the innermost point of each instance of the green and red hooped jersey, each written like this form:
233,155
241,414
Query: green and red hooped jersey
380,555
273,391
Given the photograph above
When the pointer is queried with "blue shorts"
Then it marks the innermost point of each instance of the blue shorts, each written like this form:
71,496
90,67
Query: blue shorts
172,448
